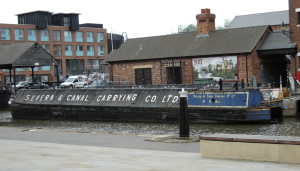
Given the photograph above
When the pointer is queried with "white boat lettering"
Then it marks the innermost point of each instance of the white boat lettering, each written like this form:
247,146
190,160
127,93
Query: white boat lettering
32,97
151,99
77,98
168,98
114,98
37,97
108,98
175,99
121,97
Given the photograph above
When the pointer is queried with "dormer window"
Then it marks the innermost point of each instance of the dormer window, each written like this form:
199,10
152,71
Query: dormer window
67,21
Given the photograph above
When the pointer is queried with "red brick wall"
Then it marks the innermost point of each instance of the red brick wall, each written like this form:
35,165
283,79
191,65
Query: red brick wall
294,31
125,71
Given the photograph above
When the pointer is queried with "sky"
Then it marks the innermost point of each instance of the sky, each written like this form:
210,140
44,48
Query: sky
141,18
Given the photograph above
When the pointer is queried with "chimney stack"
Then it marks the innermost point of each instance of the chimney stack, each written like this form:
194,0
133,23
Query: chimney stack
205,21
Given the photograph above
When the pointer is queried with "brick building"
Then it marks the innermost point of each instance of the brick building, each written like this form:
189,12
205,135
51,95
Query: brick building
294,13
209,54
80,48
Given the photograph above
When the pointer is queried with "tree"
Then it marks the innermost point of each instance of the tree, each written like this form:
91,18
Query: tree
226,23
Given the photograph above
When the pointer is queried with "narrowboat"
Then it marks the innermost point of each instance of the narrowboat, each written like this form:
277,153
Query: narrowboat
206,102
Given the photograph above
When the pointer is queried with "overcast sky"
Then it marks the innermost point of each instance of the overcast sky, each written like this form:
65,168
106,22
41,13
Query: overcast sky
141,18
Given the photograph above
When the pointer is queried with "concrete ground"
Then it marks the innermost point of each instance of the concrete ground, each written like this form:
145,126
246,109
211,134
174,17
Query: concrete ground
37,149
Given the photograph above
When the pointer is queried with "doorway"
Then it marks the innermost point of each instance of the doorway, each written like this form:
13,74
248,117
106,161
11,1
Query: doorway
143,76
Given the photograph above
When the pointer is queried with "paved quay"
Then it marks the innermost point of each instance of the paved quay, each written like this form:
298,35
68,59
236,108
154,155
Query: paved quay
38,149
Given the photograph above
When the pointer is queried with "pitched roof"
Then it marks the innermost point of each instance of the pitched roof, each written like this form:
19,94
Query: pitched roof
270,18
277,41
218,42
25,55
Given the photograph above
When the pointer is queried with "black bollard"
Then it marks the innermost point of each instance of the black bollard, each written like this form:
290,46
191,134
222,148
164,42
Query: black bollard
184,118
243,84
221,84
298,109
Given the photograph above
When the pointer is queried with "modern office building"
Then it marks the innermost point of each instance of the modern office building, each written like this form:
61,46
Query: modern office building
80,48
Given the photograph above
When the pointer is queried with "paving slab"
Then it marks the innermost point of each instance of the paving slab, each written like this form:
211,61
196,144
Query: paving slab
26,150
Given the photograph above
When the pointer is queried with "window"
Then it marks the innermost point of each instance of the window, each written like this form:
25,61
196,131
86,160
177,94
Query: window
89,37
79,36
44,35
297,10
56,35
90,51
100,37
68,36
31,35
46,47
74,66
45,68
20,69
19,34
100,50
57,50
34,69
66,21
5,34
79,50
68,50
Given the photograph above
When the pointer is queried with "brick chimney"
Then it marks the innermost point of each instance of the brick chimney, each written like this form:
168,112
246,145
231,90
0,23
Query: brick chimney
205,21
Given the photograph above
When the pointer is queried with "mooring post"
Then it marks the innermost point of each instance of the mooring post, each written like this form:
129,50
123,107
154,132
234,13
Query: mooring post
184,118
298,109
243,83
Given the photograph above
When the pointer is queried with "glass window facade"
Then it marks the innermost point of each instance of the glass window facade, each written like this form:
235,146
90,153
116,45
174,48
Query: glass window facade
31,35
68,36
94,66
89,37
100,37
79,50
57,50
74,66
34,69
56,35
46,47
45,68
20,69
101,51
90,51
5,34
79,36
44,35
19,34
68,50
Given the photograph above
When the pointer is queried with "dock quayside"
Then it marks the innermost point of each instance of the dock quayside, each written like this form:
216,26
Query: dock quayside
145,104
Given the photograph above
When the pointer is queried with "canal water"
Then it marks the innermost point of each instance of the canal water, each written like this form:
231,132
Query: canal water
289,127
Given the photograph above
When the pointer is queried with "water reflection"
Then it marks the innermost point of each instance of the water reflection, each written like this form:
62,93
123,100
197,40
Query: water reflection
289,127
